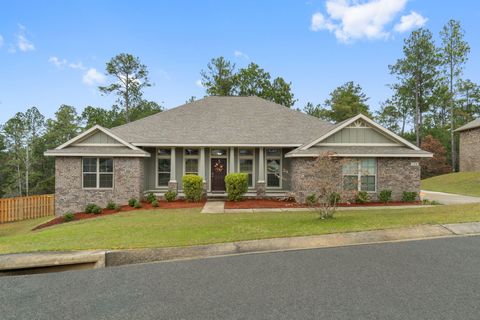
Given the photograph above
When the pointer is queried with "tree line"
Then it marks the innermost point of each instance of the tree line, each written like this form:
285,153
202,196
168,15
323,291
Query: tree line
430,98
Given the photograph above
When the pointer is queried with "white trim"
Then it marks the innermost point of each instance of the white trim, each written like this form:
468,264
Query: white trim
169,157
252,157
359,176
196,145
359,144
369,121
103,155
361,155
280,157
98,173
92,129
186,157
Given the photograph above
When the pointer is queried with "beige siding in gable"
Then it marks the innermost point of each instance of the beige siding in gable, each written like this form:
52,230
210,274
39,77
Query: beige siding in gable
357,135
99,138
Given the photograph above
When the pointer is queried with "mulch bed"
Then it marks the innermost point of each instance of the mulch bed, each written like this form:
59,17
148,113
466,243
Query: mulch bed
162,204
273,203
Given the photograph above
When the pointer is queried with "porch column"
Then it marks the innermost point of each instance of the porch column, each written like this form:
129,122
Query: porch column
201,164
261,173
232,161
172,184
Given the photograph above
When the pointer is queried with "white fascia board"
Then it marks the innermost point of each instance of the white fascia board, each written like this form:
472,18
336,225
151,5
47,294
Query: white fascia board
141,144
377,155
79,154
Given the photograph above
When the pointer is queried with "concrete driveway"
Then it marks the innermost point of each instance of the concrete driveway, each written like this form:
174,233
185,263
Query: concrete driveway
449,198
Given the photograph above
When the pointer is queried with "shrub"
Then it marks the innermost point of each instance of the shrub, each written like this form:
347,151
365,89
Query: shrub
96,210
132,202
155,203
334,198
192,187
311,199
236,185
385,196
430,202
89,208
170,195
409,196
112,206
150,197
137,204
69,216
362,197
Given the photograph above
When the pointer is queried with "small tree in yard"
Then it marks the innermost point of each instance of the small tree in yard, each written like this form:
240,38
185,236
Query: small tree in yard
322,184
439,163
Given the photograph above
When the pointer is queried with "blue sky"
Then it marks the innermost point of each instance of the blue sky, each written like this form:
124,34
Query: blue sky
54,52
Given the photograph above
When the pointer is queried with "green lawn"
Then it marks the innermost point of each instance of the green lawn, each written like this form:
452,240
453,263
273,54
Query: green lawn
162,228
467,183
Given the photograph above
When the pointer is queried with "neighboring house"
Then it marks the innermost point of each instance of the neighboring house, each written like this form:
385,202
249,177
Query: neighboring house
217,135
470,146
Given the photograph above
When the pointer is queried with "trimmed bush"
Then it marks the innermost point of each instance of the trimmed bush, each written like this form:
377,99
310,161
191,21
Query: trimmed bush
137,204
112,206
155,203
97,210
236,185
385,196
311,199
362,197
150,197
170,195
334,198
69,216
89,208
132,202
409,196
192,187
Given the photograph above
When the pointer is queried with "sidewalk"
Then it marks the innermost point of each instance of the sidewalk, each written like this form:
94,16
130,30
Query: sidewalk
131,256
449,198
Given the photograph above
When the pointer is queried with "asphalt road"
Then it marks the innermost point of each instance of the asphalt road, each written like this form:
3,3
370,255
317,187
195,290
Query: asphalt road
429,279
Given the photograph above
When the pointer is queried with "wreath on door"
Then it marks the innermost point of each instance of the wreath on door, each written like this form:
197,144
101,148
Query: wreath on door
218,166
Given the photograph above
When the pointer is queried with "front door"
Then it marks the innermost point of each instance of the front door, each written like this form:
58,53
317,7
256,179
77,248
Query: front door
219,171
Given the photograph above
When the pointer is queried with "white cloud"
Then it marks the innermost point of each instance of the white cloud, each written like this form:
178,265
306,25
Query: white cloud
93,77
198,83
77,65
57,62
1,41
410,21
351,20
23,43
240,54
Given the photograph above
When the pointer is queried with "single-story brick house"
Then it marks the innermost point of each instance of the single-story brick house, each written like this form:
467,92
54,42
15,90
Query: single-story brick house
470,146
217,135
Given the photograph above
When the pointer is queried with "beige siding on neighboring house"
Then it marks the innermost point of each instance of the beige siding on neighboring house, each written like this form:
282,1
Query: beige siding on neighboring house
470,150
357,136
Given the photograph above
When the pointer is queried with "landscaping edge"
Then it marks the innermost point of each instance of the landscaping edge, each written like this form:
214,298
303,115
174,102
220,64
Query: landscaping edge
110,258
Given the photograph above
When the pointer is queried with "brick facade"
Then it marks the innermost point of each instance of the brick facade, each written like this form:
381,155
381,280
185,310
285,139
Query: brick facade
70,196
470,150
396,174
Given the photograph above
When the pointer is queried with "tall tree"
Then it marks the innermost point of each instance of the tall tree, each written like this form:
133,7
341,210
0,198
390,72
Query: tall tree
314,110
417,71
389,116
346,101
106,118
131,77
219,78
468,101
454,54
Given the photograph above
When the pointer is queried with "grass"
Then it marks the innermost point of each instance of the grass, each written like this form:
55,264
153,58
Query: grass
466,183
184,227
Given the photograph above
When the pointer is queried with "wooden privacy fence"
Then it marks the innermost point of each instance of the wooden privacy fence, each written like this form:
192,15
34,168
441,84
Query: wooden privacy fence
23,208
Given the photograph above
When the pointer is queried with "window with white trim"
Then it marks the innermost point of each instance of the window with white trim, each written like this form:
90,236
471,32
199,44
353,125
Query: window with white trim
97,173
164,165
191,160
273,158
246,163
360,175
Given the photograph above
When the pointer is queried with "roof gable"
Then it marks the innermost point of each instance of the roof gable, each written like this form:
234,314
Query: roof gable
342,133
471,125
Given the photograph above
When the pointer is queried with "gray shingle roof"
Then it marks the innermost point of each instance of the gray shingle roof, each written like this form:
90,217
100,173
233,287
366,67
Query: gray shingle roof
101,150
225,121
471,125
360,150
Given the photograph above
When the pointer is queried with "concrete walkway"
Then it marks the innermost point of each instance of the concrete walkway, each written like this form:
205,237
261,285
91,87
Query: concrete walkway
449,198
213,206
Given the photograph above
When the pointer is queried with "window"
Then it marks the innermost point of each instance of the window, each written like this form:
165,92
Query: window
218,152
164,163
97,173
274,167
246,158
191,160
360,175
